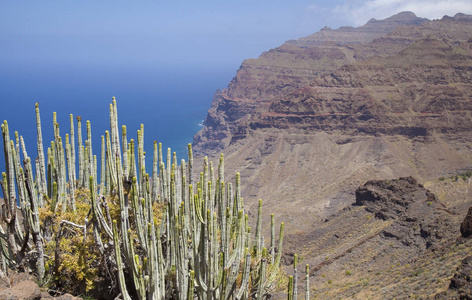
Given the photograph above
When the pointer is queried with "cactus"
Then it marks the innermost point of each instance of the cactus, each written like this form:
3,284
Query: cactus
307,282
32,213
295,276
72,151
262,273
9,193
41,180
174,237
102,168
70,160
290,288
80,183
259,229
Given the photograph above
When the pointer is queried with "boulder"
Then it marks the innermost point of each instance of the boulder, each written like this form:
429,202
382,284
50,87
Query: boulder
27,290
466,226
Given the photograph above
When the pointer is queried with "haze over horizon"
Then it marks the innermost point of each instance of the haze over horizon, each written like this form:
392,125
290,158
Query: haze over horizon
158,34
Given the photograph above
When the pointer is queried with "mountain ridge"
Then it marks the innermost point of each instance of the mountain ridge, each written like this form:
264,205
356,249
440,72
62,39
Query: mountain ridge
307,126
380,122
344,35
254,89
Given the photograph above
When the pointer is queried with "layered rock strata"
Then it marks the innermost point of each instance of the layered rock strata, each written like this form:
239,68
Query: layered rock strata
412,77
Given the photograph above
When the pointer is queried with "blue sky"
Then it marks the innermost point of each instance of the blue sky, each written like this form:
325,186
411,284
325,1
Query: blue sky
154,34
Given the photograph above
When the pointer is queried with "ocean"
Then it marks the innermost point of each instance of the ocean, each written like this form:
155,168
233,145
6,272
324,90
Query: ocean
171,102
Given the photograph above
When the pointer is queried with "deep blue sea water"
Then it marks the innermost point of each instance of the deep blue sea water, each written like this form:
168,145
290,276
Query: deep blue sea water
170,102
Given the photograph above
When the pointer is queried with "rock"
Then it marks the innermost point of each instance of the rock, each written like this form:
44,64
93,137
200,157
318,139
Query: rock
22,286
407,203
45,295
466,226
461,283
390,199
67,297
27,290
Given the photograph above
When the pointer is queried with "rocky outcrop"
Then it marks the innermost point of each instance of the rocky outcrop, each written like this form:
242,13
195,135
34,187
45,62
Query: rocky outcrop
391,199
27,290
22,286
419,219
396,241
461,283
466,226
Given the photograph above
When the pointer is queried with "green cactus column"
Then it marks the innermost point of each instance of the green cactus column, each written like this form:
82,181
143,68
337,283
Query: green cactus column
70,161
103,168
174,238
80,183
307,282
290,288
60,169
33,219
72,151
295,276
41,181
9,192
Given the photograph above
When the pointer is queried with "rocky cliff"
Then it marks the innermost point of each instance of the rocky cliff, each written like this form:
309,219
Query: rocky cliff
402,75
424,89
314,118
309,122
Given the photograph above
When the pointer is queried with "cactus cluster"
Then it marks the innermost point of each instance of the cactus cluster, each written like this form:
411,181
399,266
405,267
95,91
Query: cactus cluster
176,236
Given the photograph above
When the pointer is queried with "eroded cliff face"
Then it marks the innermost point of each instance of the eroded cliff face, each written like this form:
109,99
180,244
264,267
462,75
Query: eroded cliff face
278,72
425,88
409,77
399,105
309,122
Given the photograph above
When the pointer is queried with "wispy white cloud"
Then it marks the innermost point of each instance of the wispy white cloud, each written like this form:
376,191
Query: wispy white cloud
359,12
315,8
